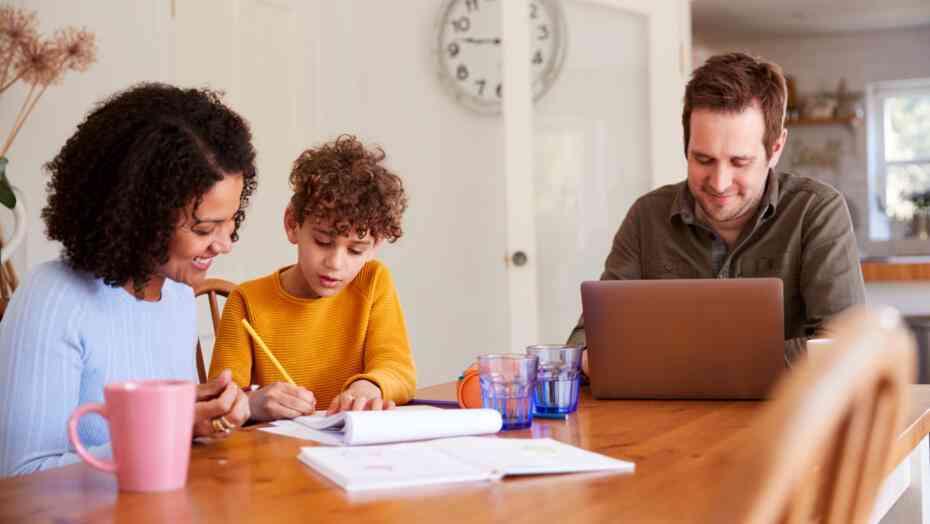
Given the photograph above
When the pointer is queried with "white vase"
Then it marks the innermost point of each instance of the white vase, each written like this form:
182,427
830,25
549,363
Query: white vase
19,227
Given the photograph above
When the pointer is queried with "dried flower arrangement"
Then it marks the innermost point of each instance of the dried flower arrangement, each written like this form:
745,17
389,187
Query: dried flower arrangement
27,57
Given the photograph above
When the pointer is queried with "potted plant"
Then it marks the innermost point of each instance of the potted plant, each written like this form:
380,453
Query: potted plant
920,222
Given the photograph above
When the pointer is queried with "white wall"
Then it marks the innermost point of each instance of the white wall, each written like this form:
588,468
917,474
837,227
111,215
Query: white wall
369,77
366,67
376,76
818,62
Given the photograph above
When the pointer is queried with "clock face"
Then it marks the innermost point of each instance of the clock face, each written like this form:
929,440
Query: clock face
469,50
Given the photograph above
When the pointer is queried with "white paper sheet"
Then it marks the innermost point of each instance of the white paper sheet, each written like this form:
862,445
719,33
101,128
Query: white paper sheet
528,456
391,466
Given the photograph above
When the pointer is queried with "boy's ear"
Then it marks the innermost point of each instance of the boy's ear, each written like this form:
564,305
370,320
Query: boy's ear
374,248
291,225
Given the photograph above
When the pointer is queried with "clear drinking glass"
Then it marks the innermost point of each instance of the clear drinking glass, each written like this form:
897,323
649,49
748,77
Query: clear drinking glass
507,383
558,375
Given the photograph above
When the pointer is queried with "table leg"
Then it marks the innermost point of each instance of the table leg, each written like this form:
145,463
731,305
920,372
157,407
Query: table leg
921,473
894,487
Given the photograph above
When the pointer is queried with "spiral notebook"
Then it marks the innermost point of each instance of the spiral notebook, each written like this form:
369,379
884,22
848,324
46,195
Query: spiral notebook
352,428
461,459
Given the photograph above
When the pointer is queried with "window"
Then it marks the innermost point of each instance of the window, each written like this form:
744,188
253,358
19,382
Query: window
899,167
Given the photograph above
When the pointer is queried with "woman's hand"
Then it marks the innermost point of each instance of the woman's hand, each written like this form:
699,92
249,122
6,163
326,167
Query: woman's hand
220,406
360,395
281,400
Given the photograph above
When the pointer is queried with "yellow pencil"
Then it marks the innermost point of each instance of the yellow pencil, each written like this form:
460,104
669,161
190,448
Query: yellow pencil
263,347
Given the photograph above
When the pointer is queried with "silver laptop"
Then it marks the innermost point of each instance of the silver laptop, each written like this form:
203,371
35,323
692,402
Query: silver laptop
684,338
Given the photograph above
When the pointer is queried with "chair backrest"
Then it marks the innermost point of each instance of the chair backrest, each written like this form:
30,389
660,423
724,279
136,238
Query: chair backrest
211,287
820,450
9,281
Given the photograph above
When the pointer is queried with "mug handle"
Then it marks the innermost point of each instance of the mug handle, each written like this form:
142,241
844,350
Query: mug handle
103,465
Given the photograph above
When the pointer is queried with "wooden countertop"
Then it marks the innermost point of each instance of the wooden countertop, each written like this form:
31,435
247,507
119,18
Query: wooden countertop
896,269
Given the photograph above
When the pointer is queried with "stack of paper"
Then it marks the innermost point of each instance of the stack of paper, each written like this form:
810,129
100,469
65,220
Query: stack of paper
451,460
351,428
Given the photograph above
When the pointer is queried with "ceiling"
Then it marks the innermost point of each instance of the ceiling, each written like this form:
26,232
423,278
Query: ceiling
725,19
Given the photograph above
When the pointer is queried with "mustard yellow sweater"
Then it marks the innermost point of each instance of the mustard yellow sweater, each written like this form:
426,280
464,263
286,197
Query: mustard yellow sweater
325,343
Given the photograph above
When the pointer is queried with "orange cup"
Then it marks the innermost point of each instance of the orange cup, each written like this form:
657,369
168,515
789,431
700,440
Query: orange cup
469,388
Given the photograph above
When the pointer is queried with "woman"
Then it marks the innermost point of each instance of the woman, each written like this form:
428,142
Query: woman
152,186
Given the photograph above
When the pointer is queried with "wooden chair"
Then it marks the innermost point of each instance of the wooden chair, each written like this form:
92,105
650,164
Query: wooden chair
821,449
9,280
211,287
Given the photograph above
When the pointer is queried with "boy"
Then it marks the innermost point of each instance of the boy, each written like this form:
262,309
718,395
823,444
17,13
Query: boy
333,319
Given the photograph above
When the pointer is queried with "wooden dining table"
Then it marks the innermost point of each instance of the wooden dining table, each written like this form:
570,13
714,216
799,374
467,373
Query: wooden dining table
254,476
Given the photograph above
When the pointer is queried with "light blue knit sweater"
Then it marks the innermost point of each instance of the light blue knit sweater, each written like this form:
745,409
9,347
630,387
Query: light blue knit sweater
63,337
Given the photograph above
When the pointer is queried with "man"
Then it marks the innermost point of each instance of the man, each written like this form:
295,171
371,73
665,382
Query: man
734,216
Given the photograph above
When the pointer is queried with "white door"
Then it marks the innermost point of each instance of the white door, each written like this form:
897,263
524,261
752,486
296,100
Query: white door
254,51
608,131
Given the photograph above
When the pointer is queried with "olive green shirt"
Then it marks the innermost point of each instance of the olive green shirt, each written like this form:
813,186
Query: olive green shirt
802,234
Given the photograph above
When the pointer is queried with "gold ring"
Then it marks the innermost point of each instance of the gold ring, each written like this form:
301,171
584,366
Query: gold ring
218,426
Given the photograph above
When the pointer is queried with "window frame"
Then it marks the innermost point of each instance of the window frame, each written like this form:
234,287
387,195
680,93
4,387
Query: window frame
878,222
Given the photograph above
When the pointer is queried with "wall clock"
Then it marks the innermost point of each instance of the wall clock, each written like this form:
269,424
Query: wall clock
469,50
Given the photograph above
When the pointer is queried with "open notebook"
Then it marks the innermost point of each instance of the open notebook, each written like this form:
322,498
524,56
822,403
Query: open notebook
459,459
353,428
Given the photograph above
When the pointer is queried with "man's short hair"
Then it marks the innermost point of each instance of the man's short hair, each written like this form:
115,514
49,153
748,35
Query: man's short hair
731,83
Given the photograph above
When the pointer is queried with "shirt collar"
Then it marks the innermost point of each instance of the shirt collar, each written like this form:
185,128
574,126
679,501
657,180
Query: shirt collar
770,196
683,204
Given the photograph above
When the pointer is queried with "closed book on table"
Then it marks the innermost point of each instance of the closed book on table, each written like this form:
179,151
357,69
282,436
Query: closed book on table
352,428
459,459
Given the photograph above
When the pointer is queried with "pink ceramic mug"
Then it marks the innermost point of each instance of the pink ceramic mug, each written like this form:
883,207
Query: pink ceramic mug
150,433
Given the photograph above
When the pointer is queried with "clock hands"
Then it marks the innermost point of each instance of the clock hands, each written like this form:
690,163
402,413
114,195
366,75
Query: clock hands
471,40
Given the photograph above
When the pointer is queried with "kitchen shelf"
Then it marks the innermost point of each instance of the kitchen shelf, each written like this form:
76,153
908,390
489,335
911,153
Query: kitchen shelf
896,269
851,121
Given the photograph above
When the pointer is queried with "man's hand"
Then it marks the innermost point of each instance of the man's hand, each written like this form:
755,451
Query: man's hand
359,396
281,400
220,400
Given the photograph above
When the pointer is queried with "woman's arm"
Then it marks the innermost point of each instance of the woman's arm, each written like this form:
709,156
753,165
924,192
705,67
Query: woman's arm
41,368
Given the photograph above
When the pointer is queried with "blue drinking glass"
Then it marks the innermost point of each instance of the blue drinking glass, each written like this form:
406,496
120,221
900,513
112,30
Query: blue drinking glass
558,378
507,383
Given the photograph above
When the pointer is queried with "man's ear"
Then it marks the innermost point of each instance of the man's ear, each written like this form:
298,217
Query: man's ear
291,225
778,148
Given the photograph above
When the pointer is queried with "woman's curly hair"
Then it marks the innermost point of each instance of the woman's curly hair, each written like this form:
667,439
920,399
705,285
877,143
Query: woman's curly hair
345,183
120,183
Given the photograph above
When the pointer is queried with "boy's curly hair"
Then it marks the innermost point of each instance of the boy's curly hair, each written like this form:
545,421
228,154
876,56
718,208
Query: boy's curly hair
345,183
120,183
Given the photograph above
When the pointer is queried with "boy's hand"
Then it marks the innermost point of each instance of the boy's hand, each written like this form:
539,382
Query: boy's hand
359,396
281,400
